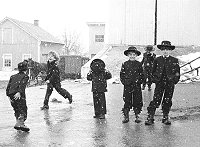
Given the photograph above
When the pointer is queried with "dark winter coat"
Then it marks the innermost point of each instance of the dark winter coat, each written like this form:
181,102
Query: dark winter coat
131,75
170,66
17,83
99,83
147,60
53,73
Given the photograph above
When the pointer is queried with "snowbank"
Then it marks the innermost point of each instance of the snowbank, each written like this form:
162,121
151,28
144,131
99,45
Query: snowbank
5,75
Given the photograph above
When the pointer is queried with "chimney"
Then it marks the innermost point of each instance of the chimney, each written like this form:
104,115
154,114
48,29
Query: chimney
36,22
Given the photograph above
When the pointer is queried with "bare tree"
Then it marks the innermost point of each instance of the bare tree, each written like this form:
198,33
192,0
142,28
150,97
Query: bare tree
72,43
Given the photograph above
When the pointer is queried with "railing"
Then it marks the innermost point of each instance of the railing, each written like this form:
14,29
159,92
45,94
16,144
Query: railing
192,69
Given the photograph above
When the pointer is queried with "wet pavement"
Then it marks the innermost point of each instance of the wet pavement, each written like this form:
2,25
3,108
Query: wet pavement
73,124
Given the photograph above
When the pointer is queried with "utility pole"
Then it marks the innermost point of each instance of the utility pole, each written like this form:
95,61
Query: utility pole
155,31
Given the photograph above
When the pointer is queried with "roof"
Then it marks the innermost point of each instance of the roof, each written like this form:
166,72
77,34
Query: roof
35,31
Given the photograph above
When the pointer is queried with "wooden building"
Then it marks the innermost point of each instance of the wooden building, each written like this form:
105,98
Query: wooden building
21,40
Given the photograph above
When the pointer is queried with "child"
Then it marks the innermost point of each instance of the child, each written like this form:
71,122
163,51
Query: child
131,76
98,75
16,92
53,80
147,62
166,74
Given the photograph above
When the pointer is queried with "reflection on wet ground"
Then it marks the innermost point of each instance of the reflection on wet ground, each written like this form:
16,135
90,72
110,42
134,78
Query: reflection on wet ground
73,125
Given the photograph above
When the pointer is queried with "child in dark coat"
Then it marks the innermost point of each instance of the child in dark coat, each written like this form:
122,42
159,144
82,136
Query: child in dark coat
99,76
166,74
53,80
16,92
147,62
131,76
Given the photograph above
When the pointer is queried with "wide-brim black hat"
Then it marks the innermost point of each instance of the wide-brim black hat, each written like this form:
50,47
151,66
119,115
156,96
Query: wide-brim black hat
149,48
132,49
97,65
166,45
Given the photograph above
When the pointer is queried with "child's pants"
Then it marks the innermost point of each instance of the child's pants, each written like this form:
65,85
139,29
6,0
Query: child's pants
58,88
147,75
19,106
133,100
163,93
99,103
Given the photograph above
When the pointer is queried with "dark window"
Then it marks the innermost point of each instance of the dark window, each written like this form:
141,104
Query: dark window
99,38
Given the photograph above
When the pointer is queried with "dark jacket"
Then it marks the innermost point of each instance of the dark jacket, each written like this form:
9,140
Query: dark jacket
131,75
148,59
172,69
99,83
17,83
53,73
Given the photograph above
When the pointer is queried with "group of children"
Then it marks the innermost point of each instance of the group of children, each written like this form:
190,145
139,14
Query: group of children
164,71
17,84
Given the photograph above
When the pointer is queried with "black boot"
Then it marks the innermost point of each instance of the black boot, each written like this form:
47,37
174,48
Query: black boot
149,87
46,101
150,120
137,119
166,120
23,127
126,115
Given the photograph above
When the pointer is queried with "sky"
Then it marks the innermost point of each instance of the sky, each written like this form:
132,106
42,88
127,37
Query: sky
57,16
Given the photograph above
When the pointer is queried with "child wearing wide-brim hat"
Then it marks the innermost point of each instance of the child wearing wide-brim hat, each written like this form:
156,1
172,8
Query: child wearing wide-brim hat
166,45
131,76
132,49
165,75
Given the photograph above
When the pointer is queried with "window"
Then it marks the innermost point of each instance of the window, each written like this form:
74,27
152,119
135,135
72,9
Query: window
99,38
26,57
7,61
7,36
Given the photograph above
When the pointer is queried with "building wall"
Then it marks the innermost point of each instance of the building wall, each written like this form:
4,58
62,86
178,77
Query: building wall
22,43
95,29
132,22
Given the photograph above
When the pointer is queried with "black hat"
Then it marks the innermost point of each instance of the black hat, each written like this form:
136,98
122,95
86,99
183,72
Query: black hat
132,49
167,45
149,48
97,65
22,66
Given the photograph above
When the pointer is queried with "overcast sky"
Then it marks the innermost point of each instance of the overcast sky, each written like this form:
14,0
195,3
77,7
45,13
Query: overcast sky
56,16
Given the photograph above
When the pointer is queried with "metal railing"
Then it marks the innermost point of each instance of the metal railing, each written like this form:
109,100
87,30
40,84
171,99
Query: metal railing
192,69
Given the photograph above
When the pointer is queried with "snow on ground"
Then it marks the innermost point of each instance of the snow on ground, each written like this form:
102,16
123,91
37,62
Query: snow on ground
5,75
113,59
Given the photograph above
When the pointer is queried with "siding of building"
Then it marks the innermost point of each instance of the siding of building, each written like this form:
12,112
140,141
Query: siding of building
22,43
19,38
132,22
